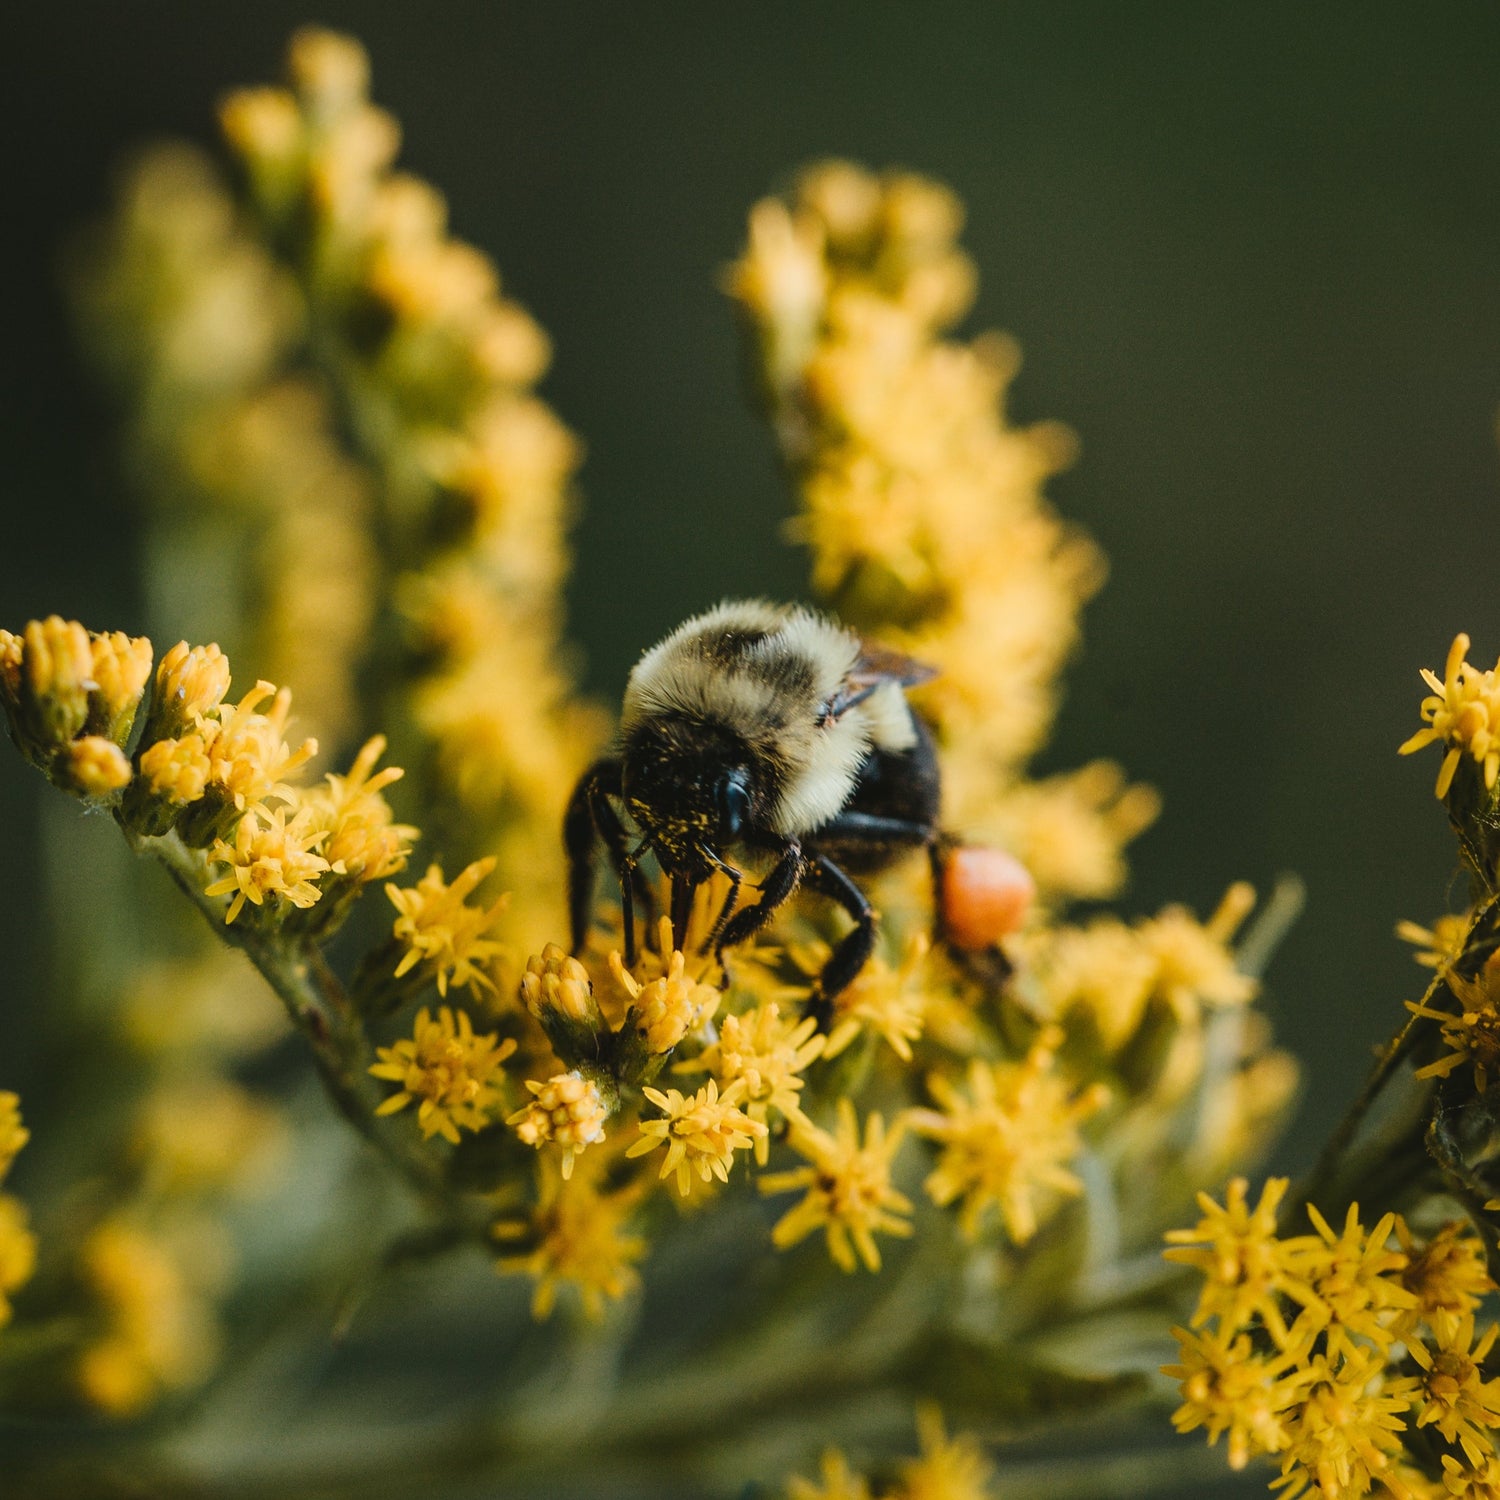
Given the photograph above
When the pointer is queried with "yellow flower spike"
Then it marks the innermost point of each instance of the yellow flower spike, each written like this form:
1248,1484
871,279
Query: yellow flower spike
1005,1142
1464,714
439,928
1347,1435
700,1132
94,767
1246,1268
567,1110
1453,1394
768,1053
667,1008
849,1193
159,1331
1227,1387
451,1073
273,859
17,1252
577,1238
13,1134
837,1481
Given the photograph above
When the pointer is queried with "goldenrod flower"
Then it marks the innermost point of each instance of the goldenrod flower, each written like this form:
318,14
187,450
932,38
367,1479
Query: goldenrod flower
13,1134
1353,1274
191,682
768,1053
122,667
17,1252
1101,976
1448,1275
1440,945
1246,1269
206,1133
949,1468
56,675
556,982
1194,966
849,1192
94,766
440,929
452,1073
1454,1397
1463,1482
576,1237
1474,1032
1228,1387
248,758
702,1131
159,1332
364,842
1464,713
177,771
1004,1144
667,1008
838,1481
1347,1433
272,858
567,1109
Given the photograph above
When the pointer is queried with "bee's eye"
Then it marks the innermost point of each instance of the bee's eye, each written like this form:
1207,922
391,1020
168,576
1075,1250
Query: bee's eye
733,799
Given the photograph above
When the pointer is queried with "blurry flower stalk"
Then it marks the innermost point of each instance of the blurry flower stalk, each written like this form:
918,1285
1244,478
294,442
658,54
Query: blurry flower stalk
948,1188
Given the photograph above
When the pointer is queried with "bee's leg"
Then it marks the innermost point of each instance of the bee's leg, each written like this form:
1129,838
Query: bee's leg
854,949
774,890
683,891
731,901
591,816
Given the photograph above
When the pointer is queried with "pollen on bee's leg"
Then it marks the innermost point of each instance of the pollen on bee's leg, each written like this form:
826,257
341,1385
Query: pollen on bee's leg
983,895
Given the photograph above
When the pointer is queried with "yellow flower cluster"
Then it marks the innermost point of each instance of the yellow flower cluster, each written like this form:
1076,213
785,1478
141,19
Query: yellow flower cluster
1005,1139
1463,714
1334,1350
575,1236
17,1243
437,927
448,1071
70,698
945,1469
473,470
229,430
157,1332
1104,978
701,1132
922,505
567,1110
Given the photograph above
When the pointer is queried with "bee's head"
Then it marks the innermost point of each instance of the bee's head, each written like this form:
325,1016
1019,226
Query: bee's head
690,788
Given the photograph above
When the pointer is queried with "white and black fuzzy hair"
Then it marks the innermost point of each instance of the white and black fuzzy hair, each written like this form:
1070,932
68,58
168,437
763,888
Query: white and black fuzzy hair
773,676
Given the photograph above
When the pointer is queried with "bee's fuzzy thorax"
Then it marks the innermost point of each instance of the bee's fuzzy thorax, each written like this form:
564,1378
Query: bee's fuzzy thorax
768,673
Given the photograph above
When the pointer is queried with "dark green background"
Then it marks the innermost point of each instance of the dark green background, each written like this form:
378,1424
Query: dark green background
1252,254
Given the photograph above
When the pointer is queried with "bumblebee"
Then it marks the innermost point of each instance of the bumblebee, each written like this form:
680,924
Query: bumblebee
767,730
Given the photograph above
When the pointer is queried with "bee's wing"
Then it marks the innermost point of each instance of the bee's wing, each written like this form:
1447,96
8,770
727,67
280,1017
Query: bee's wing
876,666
